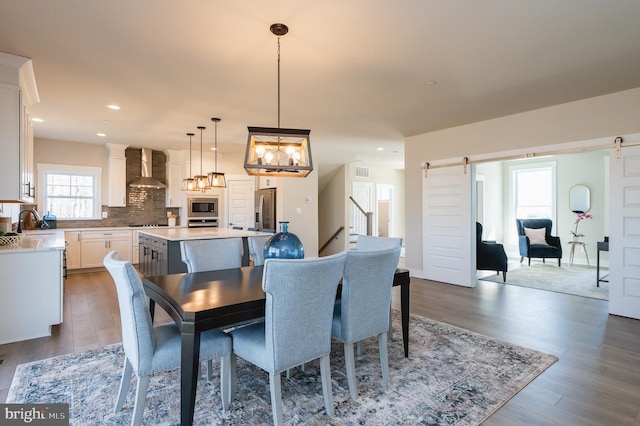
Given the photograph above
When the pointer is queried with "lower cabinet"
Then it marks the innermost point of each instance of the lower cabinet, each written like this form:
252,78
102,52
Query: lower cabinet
74,249
159,256
96,244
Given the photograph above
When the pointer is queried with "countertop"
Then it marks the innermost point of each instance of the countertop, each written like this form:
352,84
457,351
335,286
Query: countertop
38,240
179,234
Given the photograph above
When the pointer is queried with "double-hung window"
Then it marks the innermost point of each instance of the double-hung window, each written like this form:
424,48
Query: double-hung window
70,192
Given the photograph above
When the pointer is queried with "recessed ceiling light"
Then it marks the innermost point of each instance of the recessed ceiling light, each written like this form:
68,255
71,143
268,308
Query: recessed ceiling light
37,120
102,135
432,83
379,149
113,107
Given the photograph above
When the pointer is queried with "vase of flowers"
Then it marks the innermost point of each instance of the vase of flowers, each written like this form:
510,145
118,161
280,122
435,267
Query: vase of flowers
579,217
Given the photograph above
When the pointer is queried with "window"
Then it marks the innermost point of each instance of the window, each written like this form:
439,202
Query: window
532,194
70,192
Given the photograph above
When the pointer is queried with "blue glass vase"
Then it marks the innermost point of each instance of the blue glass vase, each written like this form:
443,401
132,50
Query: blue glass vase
284,245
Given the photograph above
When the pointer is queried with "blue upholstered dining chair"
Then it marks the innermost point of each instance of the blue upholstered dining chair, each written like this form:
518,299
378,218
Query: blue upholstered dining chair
212,255
363,310
297,325
256,248
150,349
368,243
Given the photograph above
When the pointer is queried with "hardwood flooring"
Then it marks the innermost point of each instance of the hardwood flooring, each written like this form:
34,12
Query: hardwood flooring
595,382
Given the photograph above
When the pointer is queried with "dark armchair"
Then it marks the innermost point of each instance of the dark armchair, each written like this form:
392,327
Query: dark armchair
549,247
490,256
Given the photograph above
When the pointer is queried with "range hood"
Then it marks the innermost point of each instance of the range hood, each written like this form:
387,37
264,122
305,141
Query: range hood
145,180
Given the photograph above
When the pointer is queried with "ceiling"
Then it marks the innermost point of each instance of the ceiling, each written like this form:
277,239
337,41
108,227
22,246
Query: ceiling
361,74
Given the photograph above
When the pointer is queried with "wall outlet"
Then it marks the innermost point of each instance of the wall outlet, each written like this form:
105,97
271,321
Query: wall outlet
105,215
299,210
168,214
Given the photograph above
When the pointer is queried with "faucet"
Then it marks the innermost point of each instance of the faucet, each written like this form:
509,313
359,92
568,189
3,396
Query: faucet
36,216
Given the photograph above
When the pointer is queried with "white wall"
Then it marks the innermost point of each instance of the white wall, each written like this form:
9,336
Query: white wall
600,117
333,213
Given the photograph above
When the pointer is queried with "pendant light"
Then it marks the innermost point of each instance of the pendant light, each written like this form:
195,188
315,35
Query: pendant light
189,184
201,180
216,180
276,151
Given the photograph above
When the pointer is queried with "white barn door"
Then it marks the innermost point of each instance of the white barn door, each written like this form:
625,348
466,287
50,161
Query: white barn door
447,226
624,243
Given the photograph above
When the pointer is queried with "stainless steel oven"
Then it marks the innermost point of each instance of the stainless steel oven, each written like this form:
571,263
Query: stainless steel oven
202,212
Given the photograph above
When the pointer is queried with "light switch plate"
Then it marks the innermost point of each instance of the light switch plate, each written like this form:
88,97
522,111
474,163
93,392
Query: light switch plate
105,215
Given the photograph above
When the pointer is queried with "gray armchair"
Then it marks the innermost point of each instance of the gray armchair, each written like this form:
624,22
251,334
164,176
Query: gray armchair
149,349
297,326
550,247
363,310
212,255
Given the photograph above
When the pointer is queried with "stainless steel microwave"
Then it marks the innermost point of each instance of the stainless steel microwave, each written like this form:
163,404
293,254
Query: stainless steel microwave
202,207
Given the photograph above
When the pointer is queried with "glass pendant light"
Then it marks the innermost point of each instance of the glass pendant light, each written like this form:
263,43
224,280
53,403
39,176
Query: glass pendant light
216,179
276,151
189,184
201,181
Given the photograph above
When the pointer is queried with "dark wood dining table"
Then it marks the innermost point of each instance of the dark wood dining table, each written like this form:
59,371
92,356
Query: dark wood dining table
202,301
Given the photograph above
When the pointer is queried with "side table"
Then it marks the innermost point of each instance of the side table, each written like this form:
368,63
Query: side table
573,249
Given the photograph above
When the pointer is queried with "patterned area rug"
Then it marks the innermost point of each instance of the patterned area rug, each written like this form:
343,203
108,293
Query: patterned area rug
576,280
452,377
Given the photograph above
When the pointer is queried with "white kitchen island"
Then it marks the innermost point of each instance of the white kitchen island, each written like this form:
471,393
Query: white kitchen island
31,285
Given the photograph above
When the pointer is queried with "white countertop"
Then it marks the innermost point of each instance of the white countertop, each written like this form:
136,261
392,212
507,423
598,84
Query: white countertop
49,239
179,234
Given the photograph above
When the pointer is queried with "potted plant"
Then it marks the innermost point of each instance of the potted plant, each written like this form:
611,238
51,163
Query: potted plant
579,217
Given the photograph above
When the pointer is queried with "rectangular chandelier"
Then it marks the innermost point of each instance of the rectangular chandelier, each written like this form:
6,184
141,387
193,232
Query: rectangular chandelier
278,152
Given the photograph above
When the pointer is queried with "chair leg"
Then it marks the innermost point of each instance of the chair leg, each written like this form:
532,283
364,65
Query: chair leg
141,399
276,398
209,370
225,381
350,364
560,259
504,276
359,348
124,385
384,358
529,261
325,374
232,376
521,259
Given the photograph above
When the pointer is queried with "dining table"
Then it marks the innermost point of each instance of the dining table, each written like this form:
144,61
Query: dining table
200,301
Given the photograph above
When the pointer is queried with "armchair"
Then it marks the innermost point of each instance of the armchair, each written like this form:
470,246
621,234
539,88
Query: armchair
547,247
490,256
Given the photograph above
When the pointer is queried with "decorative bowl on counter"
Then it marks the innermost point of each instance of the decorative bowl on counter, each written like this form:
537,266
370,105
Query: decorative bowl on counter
6,240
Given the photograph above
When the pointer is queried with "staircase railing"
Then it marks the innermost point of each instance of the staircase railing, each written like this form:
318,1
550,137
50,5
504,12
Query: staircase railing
333,237
362,224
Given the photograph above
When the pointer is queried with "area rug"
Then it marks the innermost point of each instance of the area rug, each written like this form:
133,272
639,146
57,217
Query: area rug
452,377
576,280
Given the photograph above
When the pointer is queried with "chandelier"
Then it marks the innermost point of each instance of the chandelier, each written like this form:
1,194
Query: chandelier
216,179
277,151
189,184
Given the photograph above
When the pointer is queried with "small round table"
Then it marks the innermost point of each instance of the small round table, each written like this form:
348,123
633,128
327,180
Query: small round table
573,249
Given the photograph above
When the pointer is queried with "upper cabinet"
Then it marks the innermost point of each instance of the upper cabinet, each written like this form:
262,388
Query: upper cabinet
174,178
117,175
18,92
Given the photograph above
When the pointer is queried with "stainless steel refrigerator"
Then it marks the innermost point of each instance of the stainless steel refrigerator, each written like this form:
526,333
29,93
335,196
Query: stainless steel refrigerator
265,216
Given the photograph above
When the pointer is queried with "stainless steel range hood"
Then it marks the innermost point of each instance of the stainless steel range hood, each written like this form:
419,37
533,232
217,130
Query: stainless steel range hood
145,180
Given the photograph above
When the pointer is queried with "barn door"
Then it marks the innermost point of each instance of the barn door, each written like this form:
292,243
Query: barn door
624,242
447,226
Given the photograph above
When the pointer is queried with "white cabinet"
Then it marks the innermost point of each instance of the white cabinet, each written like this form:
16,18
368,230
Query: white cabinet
31,293
174,185
135,248
74,249
96,244
117,175
17,93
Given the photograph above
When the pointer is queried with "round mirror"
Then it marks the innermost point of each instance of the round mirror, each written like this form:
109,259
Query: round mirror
580,199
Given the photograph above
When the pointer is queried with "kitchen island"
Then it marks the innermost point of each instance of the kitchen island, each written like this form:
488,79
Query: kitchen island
31,287
159,249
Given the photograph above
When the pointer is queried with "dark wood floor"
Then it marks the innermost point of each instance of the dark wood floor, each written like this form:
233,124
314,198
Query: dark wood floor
595,382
